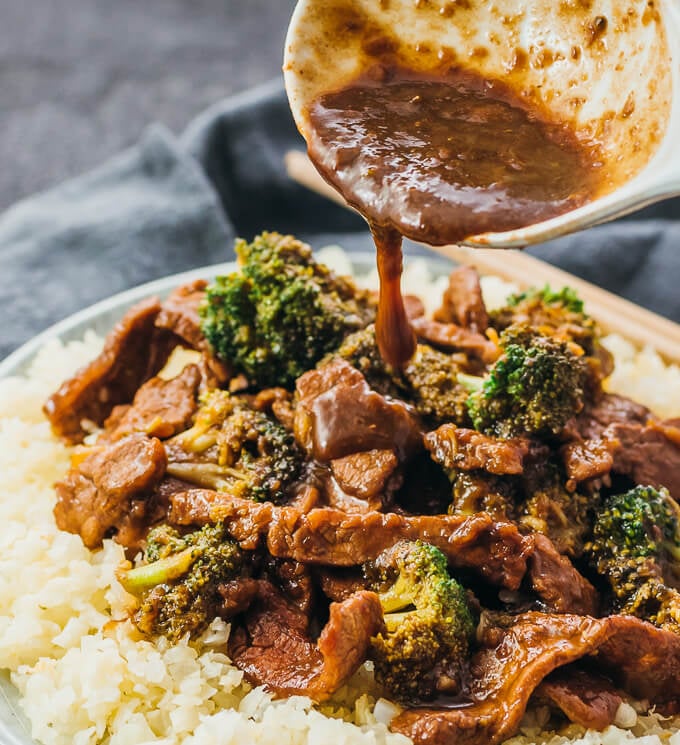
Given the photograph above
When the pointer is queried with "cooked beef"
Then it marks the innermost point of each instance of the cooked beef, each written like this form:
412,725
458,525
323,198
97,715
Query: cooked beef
151,509
649,455
584,697
338,415
608,409
616,434
277,402
306,498
338,584
641,659
462,302
238,595
329,537
590,459
363,479
134,351
455,448
453,338
179,315
273,649
97,494
246,521
166,488
161,408
518,652
293,579
556,581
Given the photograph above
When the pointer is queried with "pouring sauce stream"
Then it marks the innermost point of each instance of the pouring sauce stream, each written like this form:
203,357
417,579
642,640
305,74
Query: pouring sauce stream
440,158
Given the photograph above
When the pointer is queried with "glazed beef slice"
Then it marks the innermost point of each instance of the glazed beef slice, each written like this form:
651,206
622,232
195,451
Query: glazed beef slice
95,496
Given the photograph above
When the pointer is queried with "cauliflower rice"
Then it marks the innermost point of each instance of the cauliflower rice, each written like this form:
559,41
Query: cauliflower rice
83,673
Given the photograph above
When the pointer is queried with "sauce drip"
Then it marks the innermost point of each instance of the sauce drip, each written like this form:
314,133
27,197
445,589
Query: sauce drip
393,332
438,159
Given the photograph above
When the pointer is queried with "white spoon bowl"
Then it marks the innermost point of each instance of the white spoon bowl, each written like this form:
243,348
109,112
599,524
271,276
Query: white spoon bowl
610,69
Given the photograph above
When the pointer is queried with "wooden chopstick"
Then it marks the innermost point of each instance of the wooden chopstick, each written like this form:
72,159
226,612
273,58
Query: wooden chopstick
613,313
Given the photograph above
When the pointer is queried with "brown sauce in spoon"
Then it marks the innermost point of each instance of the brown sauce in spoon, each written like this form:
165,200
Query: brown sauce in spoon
438,159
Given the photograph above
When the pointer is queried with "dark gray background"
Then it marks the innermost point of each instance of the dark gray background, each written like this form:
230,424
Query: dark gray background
80,79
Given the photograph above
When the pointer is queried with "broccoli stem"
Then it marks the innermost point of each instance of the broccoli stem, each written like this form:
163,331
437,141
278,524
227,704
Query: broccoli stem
471,383
141,579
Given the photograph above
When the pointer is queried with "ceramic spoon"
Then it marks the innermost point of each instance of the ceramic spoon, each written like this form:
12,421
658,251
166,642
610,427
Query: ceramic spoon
610,70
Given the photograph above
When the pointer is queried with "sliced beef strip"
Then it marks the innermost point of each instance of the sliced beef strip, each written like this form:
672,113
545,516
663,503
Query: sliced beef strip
340,584
134,351
161,408
607,409
277,402
274,650
364,480
294,579
519,652
647,455
462,302
616,434
453,338
238,595
496,550
145,512
590,459
338,414
306,498
96,495
557,582
180,314
584,697
467,450
329,537
246,521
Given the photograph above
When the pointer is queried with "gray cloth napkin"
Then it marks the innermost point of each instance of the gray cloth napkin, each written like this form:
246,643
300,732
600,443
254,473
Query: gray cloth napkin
170,204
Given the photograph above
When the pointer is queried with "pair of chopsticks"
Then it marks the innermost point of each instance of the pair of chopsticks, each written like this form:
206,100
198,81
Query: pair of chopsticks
613,313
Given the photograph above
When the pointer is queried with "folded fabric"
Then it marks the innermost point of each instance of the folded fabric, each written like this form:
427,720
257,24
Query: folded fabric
170,204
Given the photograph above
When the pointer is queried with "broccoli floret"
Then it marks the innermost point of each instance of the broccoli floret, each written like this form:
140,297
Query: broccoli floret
429,382
282,312
428,623
567,298
640,523
635,547
533,389
479,491
549,508
360,349
434,388
558,314
538,501
178,586
232,447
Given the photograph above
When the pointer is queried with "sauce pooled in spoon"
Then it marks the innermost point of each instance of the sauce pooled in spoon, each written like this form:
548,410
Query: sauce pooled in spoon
438,159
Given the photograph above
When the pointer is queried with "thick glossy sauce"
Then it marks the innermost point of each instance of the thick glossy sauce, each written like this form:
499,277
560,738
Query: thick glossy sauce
440,159
395,337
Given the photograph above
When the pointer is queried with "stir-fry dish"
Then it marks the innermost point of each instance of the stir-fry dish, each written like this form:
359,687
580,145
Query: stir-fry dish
487,526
